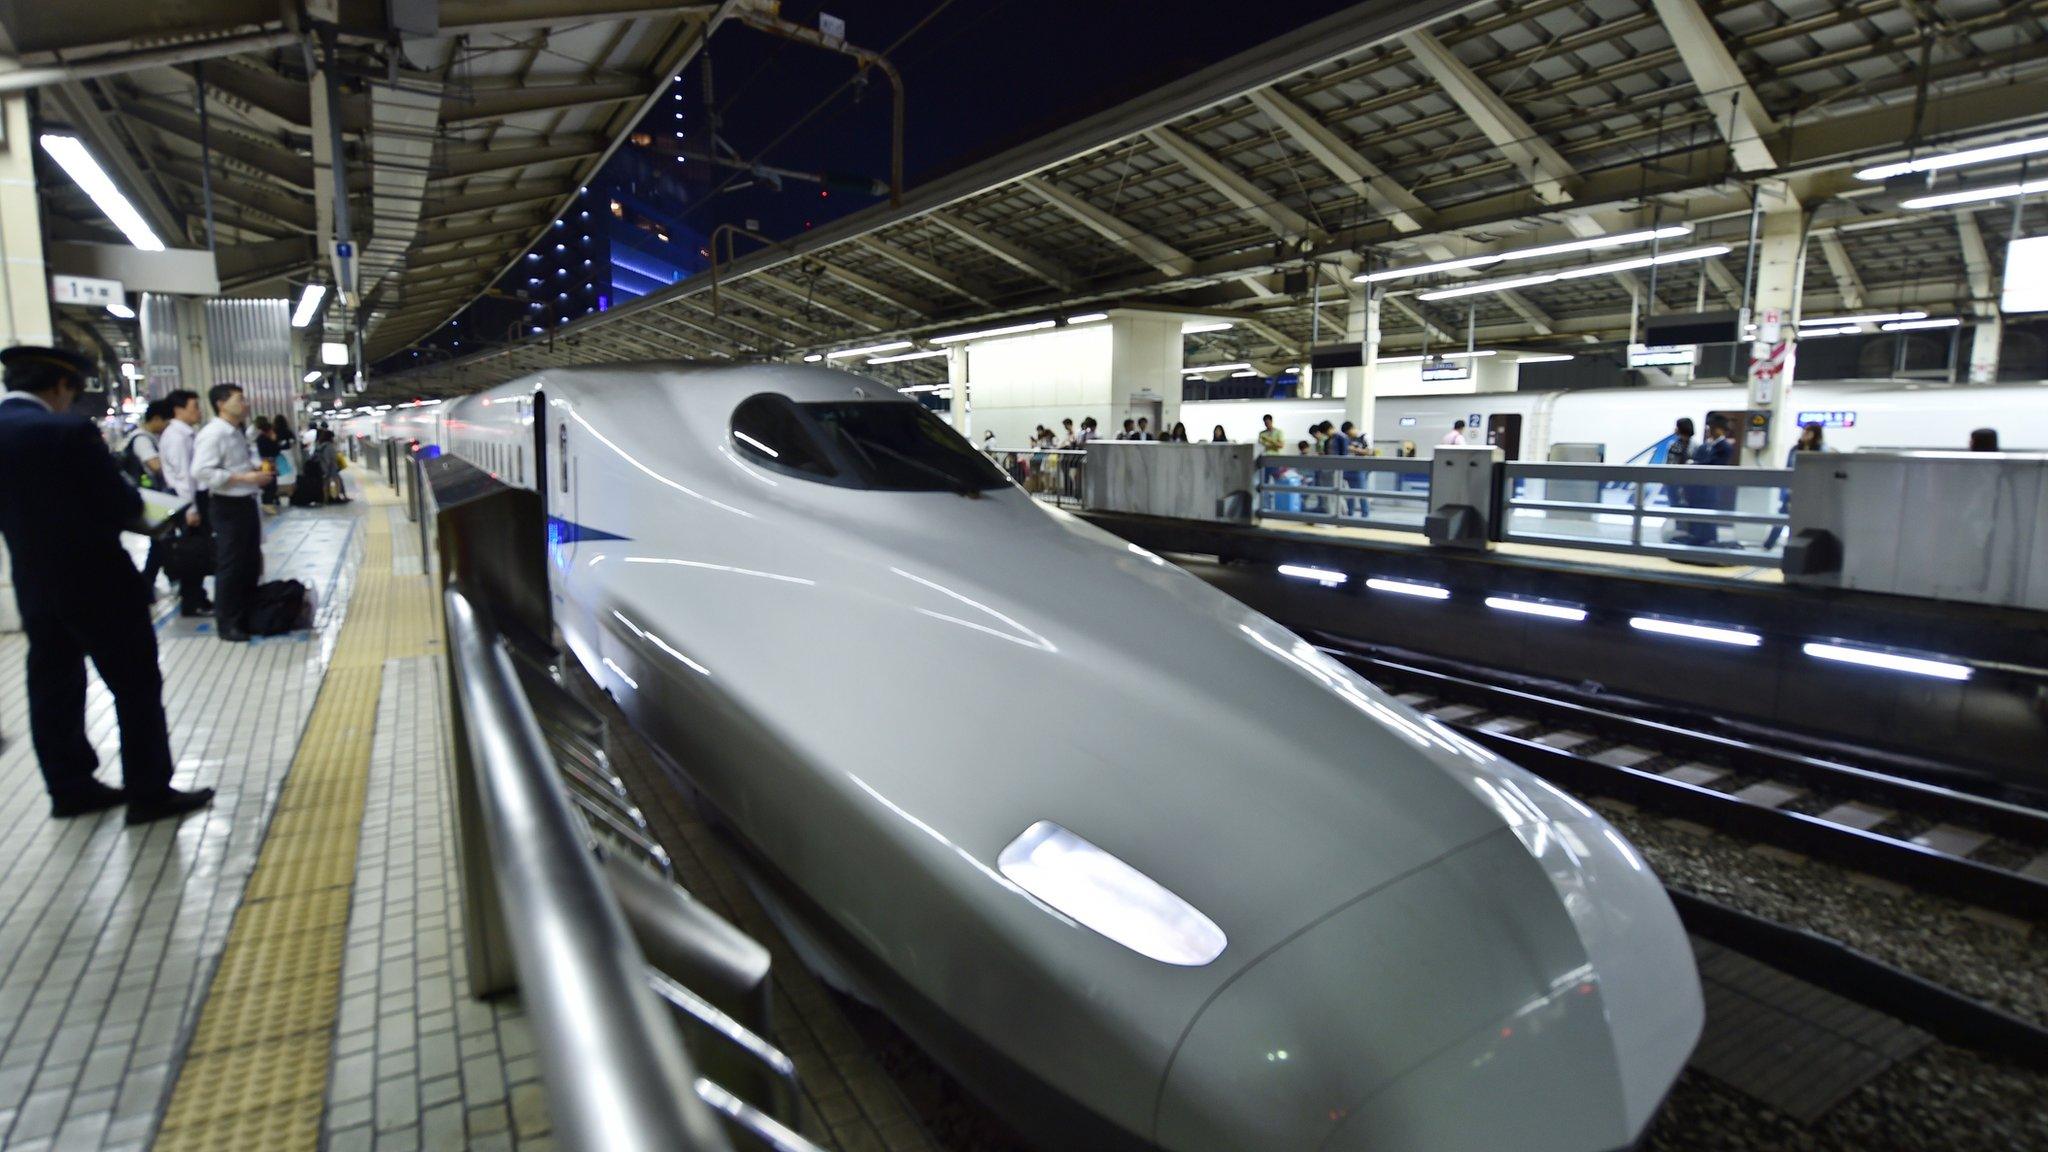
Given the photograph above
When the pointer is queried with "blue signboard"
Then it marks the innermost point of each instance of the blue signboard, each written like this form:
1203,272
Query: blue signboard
1828,418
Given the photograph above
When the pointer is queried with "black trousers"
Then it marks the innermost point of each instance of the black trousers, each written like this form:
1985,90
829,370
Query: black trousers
192,592
121,643
238,550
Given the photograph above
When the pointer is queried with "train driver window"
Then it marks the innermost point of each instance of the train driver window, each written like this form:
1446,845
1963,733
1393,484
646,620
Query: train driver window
769,428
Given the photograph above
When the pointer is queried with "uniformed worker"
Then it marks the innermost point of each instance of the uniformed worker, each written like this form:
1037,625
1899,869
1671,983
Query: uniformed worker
63,504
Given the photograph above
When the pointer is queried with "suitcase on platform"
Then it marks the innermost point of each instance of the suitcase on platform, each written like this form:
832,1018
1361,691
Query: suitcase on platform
278,607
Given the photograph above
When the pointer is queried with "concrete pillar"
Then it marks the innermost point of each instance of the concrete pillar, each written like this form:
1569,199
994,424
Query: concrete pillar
1985,336
1363,388
1780,276
1145,363
961,410
24,278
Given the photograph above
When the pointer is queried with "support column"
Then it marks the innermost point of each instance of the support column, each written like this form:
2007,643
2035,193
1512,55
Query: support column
24,277
1774,308
1145,362
1363,389
1985,337
1986,334
960,411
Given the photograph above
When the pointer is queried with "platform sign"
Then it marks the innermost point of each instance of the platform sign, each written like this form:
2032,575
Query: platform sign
1828,418
1661,355
1445,370
86,290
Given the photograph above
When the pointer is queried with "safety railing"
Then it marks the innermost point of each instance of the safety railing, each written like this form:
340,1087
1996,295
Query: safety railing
1670,510
1052,474
1359,491
650,1011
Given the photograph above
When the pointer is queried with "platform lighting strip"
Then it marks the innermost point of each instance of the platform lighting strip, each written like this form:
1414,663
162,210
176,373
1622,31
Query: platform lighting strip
1891,661
1588,245
1870,318
1968,156
1544,358
902,356
1327,577
991,333
1916,325
121,311
309,304
71,154
1629,265
1695,631
311,376
870,350
1409,588
1536,608
1846,330
1206,369
1977,195
1196,327
1088,318
813,358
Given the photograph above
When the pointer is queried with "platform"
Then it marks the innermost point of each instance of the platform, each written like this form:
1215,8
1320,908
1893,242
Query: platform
1628,563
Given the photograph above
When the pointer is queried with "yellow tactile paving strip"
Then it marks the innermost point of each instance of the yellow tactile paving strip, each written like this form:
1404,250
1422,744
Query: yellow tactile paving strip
255,1075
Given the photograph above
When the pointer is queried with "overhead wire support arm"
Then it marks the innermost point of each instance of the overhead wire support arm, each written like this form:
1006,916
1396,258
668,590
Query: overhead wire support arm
764,19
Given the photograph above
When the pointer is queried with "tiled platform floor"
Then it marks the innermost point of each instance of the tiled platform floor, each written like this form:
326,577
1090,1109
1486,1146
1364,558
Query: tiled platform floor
108,934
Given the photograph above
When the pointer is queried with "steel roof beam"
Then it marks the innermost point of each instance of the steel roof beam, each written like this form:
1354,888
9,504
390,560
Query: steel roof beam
1233,185
912,262
262,155
812,298
1130,238
1738,114
436,237
1546,169
464,203
773,337
722,345
483,105
692,346
771,308
1527,310
1010,253
456,164
877,289
1844,272
470,17
1386,195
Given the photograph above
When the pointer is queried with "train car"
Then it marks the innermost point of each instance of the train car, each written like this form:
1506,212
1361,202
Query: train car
1138,865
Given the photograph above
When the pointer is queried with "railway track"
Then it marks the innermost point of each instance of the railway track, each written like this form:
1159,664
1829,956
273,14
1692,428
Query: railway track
1981,851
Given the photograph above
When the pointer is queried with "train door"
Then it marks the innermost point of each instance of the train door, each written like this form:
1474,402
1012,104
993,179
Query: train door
1504,431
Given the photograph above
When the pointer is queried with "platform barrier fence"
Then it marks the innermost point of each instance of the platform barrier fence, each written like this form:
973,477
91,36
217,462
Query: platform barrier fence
1052,474
1359,491
1670,510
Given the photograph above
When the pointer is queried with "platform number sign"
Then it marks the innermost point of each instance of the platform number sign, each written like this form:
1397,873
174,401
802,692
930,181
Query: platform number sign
1829,418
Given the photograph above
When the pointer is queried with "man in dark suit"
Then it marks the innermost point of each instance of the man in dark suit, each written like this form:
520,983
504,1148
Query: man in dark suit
63,504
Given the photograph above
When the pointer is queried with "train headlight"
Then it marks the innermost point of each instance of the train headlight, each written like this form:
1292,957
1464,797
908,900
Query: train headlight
1105,894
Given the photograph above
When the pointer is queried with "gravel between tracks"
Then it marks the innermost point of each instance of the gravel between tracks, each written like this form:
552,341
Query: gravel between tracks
2005,964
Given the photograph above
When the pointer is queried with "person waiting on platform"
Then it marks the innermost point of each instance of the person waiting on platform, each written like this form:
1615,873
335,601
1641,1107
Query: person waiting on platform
1272,441
1087,433
1219,436
1144,430
1811,439
63,505
226,468
1455,437
1355,445
1130,431
1179,435
1715,450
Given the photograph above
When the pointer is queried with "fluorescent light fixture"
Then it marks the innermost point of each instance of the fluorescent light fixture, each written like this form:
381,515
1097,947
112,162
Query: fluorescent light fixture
1968,156
1327,577
2026,276
1977,195
1916,325
1695,631
1871,318
309,305
870,350
71,154
1472,355
1087,317
1081,881
1206,369
1536,608
991,333
121,310
1846,330
1409,588
130,371
1589,244
1628,265
310,377
1876,658
1246,372
1195,327
332,353
901,356
1544,357
813,358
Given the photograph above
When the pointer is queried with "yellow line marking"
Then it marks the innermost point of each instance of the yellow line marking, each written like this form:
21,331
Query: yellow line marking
255,1075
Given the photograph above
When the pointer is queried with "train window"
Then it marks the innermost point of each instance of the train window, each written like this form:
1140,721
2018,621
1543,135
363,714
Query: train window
769,428
562,450
902,447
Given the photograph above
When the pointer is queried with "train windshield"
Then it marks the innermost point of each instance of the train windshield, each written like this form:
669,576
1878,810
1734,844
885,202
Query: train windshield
881,445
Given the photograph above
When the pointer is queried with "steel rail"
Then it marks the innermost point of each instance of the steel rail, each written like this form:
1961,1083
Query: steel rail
617,1077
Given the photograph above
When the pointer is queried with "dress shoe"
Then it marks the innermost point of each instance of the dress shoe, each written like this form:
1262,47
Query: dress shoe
201,610
168,803
234,635
97,797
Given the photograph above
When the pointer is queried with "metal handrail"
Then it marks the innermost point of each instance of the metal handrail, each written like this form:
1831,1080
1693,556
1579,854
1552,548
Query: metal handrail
616,1073
1639,480
1334,502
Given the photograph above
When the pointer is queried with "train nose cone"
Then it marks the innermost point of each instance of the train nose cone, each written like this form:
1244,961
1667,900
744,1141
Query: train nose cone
1463,1006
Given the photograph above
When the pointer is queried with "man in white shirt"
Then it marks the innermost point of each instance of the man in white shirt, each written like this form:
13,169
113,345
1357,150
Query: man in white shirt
225,467
1455,437
175,445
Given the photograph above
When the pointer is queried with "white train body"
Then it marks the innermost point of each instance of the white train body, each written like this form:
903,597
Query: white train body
1628,421
1335,924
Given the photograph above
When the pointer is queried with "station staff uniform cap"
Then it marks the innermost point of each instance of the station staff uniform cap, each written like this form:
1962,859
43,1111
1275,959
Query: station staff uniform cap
26,356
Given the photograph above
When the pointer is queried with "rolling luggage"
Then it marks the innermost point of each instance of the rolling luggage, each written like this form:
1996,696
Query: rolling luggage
280,606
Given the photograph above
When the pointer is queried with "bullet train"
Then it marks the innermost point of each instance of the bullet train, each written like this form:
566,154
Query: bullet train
1141,867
